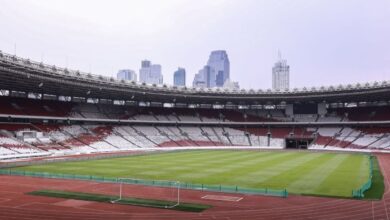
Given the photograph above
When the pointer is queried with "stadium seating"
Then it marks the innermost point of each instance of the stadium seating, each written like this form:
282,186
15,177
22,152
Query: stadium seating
89,138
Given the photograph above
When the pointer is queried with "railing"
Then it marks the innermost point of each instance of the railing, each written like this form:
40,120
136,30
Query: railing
201,187
359,193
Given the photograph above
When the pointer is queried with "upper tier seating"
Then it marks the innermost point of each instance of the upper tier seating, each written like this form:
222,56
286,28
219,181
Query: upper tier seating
366,113
18,106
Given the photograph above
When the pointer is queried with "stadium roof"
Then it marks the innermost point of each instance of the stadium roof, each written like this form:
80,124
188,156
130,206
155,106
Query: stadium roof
19,74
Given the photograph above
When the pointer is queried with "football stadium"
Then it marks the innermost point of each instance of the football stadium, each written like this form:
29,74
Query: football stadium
189,110
75,145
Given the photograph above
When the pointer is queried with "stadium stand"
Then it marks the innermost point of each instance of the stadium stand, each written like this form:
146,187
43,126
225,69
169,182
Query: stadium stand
71,112
90,138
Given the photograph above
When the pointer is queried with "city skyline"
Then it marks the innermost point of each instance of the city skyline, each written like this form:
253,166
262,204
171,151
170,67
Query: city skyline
343,42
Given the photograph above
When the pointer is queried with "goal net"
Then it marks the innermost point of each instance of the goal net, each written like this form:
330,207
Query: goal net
151,193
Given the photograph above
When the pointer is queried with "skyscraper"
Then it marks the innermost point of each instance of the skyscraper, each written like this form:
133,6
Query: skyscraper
280,74
202,78
179,77
145,63
150,73
126,74
219,68
219,79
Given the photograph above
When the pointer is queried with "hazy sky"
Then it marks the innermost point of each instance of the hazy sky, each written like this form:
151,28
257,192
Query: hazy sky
325,42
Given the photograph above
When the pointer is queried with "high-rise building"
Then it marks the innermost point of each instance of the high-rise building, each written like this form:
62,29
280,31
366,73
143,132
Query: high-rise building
219,79
202,78
219,68
150,73
126,74
281,75
179,77
145,63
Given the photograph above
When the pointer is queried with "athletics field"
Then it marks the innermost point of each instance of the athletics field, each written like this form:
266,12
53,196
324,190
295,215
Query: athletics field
328,174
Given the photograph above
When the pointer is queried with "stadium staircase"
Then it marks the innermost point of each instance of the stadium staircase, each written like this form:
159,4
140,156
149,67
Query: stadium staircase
247,135
143,135
187,136
172,141
123,137
203,132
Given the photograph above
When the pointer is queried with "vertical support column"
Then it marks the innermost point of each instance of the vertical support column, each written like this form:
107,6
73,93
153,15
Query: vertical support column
289,111
321,109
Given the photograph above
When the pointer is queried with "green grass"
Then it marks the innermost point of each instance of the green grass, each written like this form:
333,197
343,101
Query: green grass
187,207
378,187
328,174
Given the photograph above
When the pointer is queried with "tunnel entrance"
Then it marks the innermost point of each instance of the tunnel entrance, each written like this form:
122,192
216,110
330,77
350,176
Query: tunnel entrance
298,143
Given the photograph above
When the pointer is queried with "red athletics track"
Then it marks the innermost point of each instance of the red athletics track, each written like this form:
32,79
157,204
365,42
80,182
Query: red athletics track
15,204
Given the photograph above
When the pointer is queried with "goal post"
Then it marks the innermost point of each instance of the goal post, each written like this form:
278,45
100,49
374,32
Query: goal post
151,193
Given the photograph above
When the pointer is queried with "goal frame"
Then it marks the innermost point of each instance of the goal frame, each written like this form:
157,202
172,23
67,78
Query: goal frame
122,181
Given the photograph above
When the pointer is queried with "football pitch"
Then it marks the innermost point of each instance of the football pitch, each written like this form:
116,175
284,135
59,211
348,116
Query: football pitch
327,174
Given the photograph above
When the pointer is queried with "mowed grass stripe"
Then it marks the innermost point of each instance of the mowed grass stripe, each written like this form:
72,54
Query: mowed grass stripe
213,168
111,167
301,172
310,180
165,158
335,182
223,159
141,164
199,159
298,170
189,166
183,156
260,177
239,175
229,161
218,173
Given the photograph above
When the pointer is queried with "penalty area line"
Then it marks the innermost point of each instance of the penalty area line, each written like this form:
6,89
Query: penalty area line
222,198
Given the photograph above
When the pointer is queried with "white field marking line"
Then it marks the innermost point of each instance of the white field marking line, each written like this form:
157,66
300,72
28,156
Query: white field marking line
29,204
248,211
55,212
91,209
101,211
80,212
4,200
10,192
222,198
385,206
252,210
331,203
143,215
